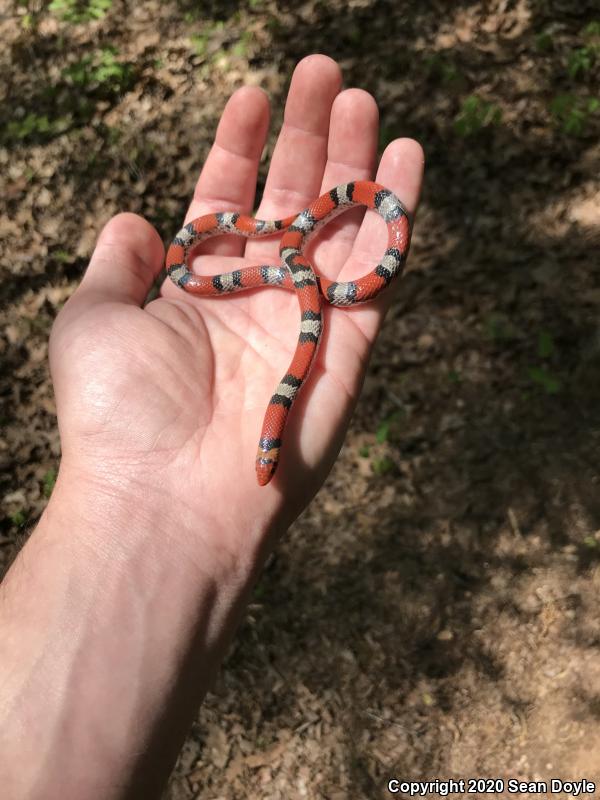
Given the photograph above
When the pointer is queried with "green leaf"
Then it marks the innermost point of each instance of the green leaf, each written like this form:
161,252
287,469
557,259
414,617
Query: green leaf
498,328
77,11
382,466
476,114
33,126
199,42
580,62
544,379
242,46
575,122
592,29
382,432
545,344
571,111
18,518
100,71
62,256
388,426
49,480
544,42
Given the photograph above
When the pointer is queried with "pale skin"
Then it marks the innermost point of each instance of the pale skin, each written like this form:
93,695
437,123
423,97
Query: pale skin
118,609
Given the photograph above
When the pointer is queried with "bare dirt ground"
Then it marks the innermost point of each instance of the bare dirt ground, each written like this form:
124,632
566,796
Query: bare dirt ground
434,613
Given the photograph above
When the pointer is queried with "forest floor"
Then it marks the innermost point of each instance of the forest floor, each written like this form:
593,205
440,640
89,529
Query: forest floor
434,613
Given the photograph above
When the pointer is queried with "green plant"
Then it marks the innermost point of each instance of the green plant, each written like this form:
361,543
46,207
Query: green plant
581,61
113,135
353,34
541,375
382,466
389,428
274,25
545,344
441,69
476,114
34,126
18,518
62,256
101,69
80,10
34,11
592,30
573,112
498,328
241,47
48,481
544,42
383,432
200,41
364,451
545,380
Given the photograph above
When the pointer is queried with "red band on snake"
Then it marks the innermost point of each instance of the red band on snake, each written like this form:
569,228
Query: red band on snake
295,273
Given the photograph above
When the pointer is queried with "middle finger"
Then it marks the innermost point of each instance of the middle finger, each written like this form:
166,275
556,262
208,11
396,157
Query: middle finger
299,158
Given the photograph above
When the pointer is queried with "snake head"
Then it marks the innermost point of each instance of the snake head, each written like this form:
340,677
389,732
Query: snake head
265,468
267,458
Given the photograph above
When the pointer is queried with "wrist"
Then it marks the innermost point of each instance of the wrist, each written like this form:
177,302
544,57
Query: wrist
130,617
117,516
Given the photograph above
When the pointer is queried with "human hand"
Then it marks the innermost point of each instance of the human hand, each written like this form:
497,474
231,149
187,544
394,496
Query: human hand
164,404
119,608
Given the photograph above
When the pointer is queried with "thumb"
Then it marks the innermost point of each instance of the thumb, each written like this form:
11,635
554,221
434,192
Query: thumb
128,257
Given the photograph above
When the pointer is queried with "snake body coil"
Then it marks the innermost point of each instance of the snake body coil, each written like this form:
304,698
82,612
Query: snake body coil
295,273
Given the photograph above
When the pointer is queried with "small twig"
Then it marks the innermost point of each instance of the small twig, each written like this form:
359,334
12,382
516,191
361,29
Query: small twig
395,399
512,518
379,718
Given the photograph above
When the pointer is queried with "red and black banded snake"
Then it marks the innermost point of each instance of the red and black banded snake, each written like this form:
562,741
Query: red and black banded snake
295,273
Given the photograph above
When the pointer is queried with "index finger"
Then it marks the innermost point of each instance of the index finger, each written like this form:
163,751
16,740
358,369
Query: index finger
228,179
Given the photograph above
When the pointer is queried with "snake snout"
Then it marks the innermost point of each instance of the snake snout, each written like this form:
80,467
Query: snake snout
265,469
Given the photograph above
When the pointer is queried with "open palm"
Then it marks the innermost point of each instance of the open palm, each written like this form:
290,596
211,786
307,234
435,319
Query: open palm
171,396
